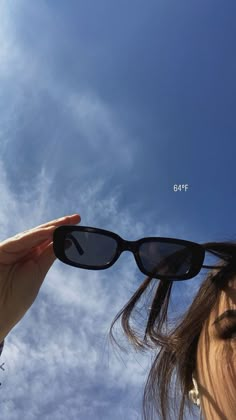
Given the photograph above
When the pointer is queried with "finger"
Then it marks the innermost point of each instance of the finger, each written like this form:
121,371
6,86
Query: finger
17,250
33,237
74,219
26,241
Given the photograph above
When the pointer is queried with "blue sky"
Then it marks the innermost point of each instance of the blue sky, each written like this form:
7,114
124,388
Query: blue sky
105,106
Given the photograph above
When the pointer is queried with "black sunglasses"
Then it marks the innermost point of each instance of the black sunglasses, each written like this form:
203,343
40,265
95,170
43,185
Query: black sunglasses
97,249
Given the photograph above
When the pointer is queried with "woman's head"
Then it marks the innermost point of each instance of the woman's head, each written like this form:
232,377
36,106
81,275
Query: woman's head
194,347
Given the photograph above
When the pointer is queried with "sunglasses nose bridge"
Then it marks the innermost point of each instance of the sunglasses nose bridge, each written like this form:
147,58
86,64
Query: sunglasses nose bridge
129,246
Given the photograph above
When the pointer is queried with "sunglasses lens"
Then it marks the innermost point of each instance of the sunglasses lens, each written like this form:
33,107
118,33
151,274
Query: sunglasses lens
89,248
164,258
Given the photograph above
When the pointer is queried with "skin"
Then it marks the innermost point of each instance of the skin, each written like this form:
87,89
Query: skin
25,260
216,362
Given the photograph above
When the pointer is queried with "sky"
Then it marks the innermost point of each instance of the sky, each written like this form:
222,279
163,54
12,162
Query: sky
104,107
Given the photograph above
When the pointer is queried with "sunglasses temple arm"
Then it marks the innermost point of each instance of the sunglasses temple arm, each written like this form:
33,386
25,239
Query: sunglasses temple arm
77,245
211,266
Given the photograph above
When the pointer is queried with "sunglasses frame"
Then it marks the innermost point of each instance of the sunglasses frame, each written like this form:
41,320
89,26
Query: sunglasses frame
61,232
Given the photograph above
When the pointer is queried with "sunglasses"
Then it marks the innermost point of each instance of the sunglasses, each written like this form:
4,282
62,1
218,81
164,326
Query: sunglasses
97,249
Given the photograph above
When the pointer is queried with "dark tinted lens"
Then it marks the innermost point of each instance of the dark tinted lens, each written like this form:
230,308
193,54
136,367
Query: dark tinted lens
89,248
165,258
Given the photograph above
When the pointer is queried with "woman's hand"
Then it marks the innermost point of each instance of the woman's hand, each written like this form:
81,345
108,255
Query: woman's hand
25,260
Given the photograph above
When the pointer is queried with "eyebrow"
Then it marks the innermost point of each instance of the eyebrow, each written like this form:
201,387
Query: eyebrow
230,313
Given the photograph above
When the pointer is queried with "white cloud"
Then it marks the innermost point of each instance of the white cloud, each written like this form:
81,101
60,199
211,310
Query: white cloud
98,126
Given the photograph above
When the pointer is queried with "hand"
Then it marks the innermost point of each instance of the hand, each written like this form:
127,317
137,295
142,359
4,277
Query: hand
25,260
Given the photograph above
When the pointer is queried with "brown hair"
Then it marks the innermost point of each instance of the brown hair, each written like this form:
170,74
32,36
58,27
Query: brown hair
178,348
